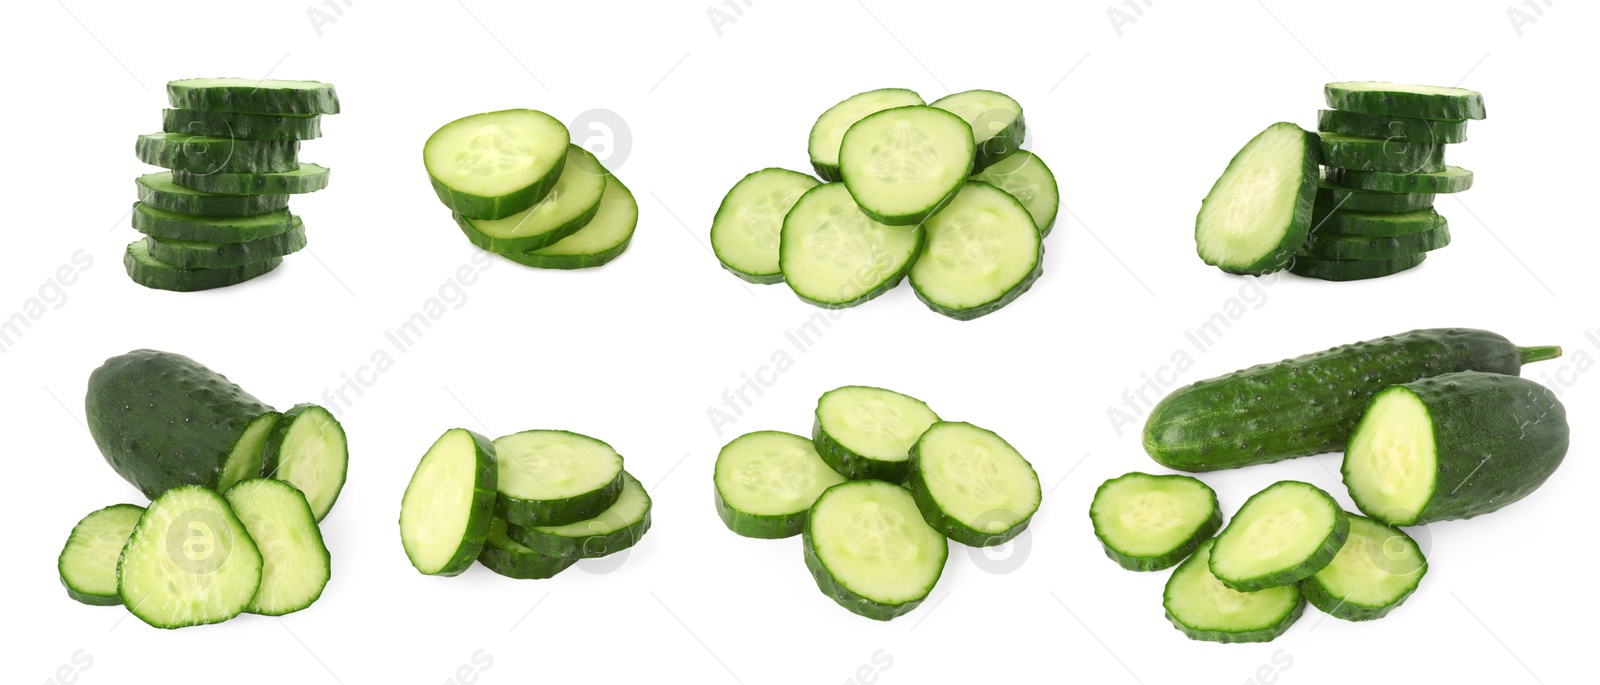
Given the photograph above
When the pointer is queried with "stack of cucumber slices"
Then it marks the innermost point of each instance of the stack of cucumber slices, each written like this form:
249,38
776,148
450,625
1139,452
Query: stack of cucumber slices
519,188
876,492
938,192
1434,424
526,505
236,488
1352,202
220,214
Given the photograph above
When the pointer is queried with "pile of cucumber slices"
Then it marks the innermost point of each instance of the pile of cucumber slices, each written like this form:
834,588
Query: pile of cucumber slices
236,488
1352,202
519,188
876,492
940,192
1435,425
220,214
526,505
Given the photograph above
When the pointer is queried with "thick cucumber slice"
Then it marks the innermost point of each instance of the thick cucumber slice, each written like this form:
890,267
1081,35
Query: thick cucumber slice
217,229
617,528
972,485
1404,100
552,477
569,206
306,178
295,562
835,256
1334,196
1280,536
253,96
601,240
767,481
1148,523
88,562
869,549
1380,154
1453,179
996,121
491,166
157,191
1377,224
1204,609
509,558
982,253
1026,178
307,449
1330,245
904,164
194,254
1375,571
153,273
1454,446
444,516
829,130
1435,131
745,233
1342,270
241,126
206,155
864,432
1259,212
189,561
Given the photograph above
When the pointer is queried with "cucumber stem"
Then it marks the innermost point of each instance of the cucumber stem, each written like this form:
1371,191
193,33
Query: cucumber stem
1539,354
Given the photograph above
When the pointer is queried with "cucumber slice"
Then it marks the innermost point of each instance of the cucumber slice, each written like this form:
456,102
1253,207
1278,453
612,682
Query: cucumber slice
745,232
1148,523
1204,609
1375,571
189,561
295,562
1410,129
1330,245
194,254
864,432
88,562
253,96
1453,179
491,166
157,191
569,206
870,551
828,132
444,516
835,256
552,477
153,273
218,229
1405,100
767,481
1380,154
996,120
1025,177
982,253
240,125
617,528
206,155
306,178
1331,195
603,239
509,558
1259,212
307,449
904,164
972,485
1377,225
1342,270
1280,536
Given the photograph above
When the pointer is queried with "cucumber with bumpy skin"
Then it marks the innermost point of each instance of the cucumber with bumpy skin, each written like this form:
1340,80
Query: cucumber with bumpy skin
1281,535
1026,178
553,477
1378,154
241,126
903,165
1204,609
617,528
1399,99
767,481
870,551
445,514
1259,211
307,449
166,225
189,562
493,165
1331,196
1377,224
746,231
570,205
206,155
833,255
864,432
603,239
511,559
982,253
88,562
295,563
1453,179
1330,245
996,119
253,96
195,254
1411,129
1340,270
306,178
972,485
828,131
1375,571
158,275
157,191
1148,523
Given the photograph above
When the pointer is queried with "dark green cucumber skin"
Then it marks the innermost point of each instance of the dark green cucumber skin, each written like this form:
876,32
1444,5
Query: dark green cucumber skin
1330,245
1467,105
1376,154
162,276
518,246
1310,404
204,204
991,306
209,229
568,261
163,420
527,512
852,465
515,563
757,526
1341,271
1376,224
591,547
206,155
1263,635
484,493
86,597
307,178
857,604
1176,555
1334,197
240,125
248,99
272,454
1385,182
1409,129
1318,560
1340,608
1000,146
951,528
227,255
888,284
1299,225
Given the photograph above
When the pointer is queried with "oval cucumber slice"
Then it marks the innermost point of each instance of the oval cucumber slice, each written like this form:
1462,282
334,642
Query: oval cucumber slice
1345,270
1375,571
157,191
603,239
1148,523
568,207
553,477
1280,536
1025,177
241,126
1381,154
295,562
1435,131
1398,99
617,528
828,132
767,481
206,155
835,256
153,273
189,561
88,562
1330,245
195,254
982,253
511,559
1453,179
493,165
257,96
972,485
745,232
1259,211
996,120
904,164
307,449
306,178
870,551
864,432
1205,609
445,514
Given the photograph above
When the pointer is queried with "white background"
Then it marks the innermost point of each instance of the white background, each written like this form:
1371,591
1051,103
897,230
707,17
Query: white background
1136,127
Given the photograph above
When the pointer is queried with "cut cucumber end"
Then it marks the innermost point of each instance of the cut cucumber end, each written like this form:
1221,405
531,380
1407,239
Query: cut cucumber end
1281,535
1148,523
1391,465
1201,606
445,514
767,481
870,551
1259,211
1375,571
308,449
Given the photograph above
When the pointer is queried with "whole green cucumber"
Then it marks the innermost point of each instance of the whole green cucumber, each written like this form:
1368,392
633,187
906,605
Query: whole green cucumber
1310,404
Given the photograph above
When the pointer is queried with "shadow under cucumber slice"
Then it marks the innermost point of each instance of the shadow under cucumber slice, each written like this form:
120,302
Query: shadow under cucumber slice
153,273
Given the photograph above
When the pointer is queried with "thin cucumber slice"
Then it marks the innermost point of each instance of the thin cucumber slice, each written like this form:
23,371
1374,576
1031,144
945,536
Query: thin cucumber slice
157,191
1204,609
217,229
1148,523
509,558
603,239
307,449
828,132
1026,178
1259,212
194,254
295,562
745,232
870,551
1333,196
617,528
1380,154
253,96
206,155
864,432
189,561
1375,571
491,166
569,206
1376,224
835,256
972,485
1330,245
1350,270
904,164
154,273
241,126
982,253
1280,536
1453,179
552,477
306,178
767,481
996,120
88,562
444,516
1435,131
1405,100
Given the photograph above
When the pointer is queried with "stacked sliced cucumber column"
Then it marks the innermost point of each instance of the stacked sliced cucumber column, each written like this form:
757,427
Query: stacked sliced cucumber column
220,214
236,488
875,493
1435,425
1352,202
941,193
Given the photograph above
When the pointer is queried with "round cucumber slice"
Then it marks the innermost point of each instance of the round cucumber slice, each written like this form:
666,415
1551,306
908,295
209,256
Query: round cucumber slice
1343,270
1375,571
864,432
88,562
1376,224
828,132
903,165
194,254
1025,177
241,126
835,256
1148,523
972,485
157,191
1281,535
1453,179
296,563
1381,154
307,449
1205,609
553,477
205,155
603,239
189,561
745,232
982,253
767,481
306,178
1406,100
153,273
445,514
493,165
511,559
257,96
870,551
617,528
996,120
1259,211
1435,131
568,207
